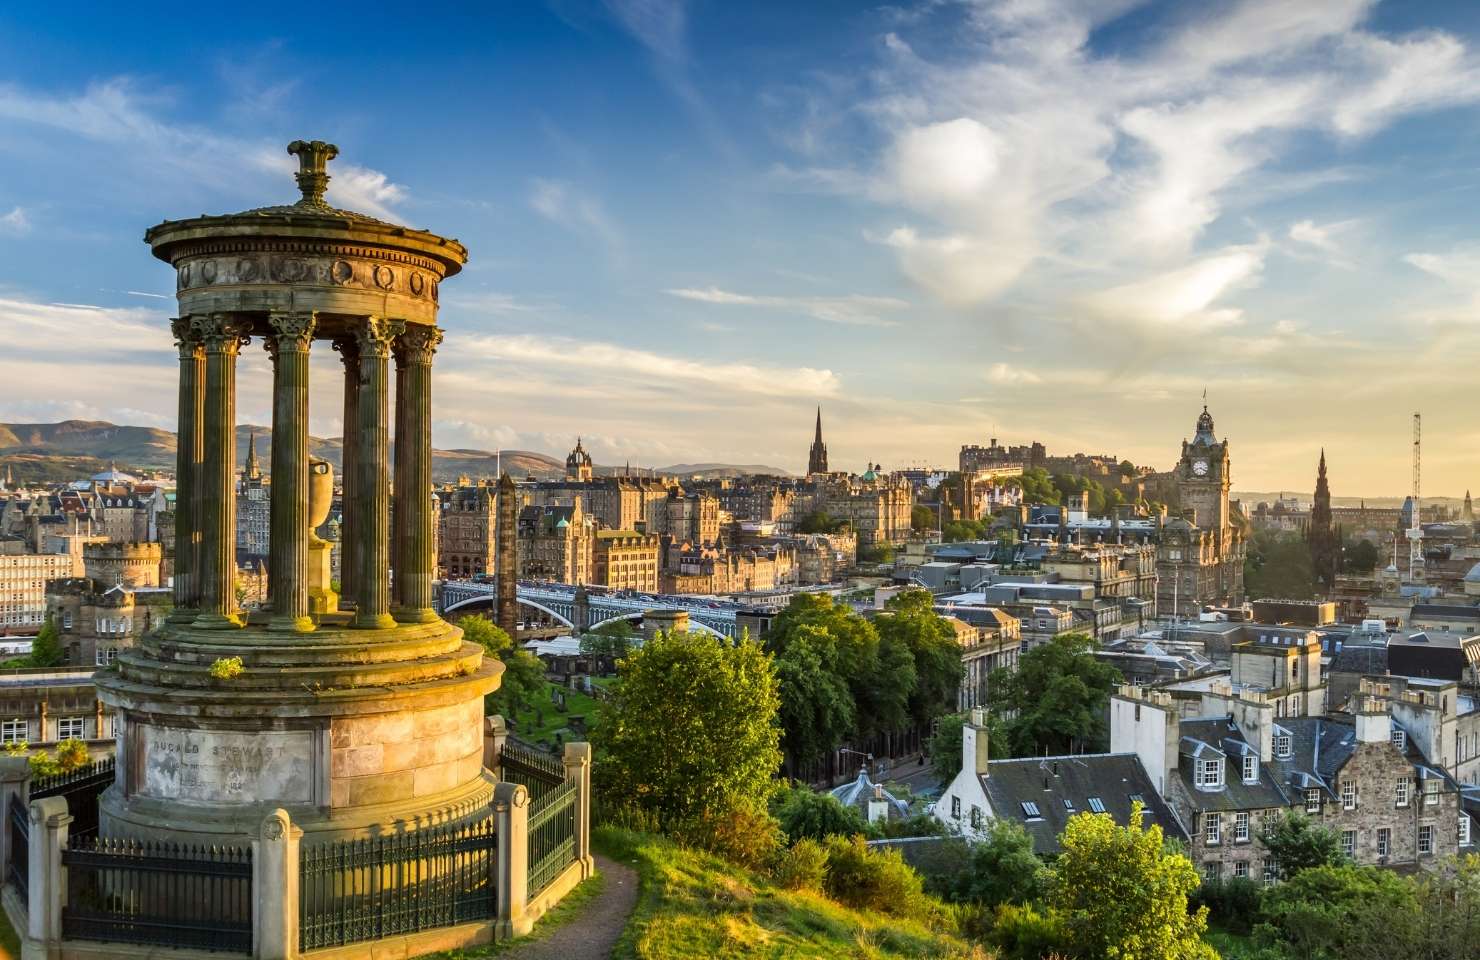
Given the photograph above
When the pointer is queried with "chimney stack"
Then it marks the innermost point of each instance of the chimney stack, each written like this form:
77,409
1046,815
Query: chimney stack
974,752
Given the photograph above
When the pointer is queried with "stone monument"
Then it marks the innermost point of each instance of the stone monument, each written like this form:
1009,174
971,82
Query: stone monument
358,716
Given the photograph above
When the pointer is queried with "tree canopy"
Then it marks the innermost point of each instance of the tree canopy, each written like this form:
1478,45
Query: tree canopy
524,675
804,812
46,649
1056,698
1278,566
690,732
611,639
910,621
944,745
1299,843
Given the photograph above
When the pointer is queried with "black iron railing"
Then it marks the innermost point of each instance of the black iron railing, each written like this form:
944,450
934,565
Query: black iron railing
18,822
552,834
167,894
351,891
539,772
81,787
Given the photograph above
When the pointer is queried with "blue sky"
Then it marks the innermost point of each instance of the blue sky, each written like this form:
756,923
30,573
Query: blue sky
692,222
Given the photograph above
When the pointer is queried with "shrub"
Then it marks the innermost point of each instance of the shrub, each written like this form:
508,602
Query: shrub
877,880
806,813
745,836
226,668
1233,903
71,754
803,867
1022,933
915,825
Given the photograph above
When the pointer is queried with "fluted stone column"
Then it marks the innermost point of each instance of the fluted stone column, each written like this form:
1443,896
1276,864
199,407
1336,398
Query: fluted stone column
287,569
223,336
372,484
413,547
400,484
188,451
349,547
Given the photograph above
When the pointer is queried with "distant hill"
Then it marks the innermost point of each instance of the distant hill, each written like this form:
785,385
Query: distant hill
78,448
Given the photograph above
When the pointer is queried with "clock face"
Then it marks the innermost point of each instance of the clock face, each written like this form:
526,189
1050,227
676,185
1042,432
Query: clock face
1200,467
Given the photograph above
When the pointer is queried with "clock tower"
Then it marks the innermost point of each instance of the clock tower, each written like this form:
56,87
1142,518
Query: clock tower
1202,479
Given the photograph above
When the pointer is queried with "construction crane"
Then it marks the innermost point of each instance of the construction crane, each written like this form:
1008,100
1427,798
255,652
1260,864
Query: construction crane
1415,528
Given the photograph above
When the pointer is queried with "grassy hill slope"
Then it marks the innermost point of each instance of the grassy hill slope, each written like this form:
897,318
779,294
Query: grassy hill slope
694,906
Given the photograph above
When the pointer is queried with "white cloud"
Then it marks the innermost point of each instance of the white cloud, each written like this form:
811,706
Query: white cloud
566,205
850,310
1459,267
1006,375
15,221
585,359
1184,299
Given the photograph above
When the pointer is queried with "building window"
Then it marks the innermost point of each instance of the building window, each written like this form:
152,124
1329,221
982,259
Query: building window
1313,800
1400,739
1212,870
1241,827
1271,870
956,808
1210,773
1426,838
1251,768
1349,794
1405,787
1464,830
71,728
976,816
67,620
13,731
1349,843
1282,746
1030,810
1430,791
1096,805
1212,826
1241,868
1384,841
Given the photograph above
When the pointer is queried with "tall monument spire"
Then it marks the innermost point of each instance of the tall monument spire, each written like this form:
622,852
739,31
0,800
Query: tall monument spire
251,471
817,456
1322,538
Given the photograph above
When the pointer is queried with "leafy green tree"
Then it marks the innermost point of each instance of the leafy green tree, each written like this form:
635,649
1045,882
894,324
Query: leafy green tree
1299,843
806,813
1122,893
1127,469
819,522
1056,698
1038,486
523,681
1344,913
922,518
956,531
1449,902
944,745
1278,566
999,867
1362,556
46,649
817,707
610,639
909,619
690,732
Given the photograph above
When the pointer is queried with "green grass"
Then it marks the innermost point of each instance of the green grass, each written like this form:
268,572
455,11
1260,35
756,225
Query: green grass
540,724
565,911
693,906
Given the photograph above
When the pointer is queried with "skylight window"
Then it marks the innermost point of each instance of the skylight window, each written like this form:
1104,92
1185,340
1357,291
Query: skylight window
1030,809
1096,805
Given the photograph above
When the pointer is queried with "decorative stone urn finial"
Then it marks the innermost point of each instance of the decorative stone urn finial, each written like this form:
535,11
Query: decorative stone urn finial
313,169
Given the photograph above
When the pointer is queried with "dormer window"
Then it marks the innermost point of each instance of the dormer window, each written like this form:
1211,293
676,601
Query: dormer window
1251,768
1282,747
1210,774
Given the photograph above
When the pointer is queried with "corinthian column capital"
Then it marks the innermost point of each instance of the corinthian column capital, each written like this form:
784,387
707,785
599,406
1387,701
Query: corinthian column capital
187,339
417,344
375,335
290,331
222,332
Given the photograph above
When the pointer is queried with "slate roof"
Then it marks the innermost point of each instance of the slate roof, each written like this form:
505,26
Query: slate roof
857,794
1211,736
1060,787
1445,611
1360,659
1318,749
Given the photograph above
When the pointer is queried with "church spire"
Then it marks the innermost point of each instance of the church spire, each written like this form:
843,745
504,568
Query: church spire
817,456
251,470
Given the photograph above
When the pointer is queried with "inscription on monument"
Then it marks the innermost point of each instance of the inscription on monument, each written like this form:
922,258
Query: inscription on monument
220,766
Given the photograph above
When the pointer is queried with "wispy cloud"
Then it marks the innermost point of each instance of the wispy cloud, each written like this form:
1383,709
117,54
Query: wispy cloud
1002,373
850,310
565,204
16,221
1182,300
584,358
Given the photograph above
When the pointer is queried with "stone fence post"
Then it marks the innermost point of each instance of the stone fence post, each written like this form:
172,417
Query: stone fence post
578,768
15,780
495,735
275,888
49,820
511,808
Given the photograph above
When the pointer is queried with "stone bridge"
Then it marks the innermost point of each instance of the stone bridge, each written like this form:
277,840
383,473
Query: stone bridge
581,611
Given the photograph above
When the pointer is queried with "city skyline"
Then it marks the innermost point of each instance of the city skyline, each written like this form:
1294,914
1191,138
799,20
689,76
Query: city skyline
942,223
